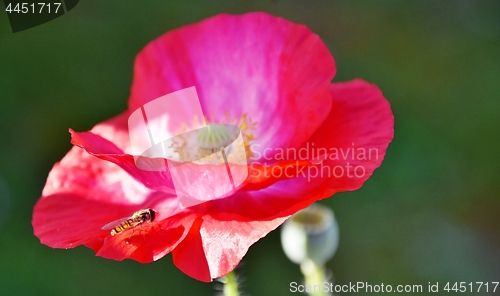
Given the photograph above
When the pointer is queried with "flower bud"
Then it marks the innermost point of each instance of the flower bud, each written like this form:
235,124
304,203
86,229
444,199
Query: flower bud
310,234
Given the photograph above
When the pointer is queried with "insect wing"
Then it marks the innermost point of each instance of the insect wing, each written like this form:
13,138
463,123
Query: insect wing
115,223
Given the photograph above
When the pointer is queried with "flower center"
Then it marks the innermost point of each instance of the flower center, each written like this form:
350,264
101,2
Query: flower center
203,145
247,128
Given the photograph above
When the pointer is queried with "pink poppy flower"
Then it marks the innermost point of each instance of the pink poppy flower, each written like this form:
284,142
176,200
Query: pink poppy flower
265,74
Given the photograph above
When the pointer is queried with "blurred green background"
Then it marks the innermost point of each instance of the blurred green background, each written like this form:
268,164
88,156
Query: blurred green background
430,213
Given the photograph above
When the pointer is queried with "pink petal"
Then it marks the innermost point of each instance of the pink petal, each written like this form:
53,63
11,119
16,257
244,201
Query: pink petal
115,130
82,174
105,150
85,175
274,71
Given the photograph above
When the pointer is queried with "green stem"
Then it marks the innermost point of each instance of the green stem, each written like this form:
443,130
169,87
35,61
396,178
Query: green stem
315,277
231,285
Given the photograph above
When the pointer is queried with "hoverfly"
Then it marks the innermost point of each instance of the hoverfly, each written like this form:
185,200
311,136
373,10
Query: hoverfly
138,218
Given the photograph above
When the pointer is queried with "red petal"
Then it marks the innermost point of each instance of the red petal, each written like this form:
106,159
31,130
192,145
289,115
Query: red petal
189,256
226,242
66,221
262,176
361,119
144,243
281,199
276,72
69,220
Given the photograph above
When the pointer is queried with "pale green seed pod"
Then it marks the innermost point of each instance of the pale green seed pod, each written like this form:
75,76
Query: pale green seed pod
310,234
215,136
